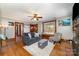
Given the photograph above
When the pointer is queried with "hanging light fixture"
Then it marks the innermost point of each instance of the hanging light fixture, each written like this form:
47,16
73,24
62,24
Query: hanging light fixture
35,17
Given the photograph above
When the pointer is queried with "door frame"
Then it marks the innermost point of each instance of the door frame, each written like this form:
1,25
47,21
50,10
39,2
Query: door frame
20,29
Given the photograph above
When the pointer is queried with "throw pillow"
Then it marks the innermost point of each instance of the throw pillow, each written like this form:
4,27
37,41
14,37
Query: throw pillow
29,35
36,34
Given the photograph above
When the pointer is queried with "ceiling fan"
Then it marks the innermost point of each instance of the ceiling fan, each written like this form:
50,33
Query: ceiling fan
35,17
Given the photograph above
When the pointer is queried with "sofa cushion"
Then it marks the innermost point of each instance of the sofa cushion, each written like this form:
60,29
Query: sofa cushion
32,34
36,34
28,39
29,35
25,34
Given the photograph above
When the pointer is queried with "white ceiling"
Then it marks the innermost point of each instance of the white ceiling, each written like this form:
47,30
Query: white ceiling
21,11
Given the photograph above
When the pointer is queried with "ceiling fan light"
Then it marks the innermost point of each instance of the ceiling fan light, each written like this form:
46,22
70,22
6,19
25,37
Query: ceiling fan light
35,19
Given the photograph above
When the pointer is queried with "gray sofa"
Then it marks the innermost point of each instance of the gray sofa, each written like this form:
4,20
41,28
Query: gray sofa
27,40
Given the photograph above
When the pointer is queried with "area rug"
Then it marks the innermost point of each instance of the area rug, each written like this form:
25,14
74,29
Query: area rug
36,51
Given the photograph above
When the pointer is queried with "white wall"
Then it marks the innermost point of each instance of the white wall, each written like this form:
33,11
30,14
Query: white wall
0,21
40,28
0,27
10,30
66,31
26,28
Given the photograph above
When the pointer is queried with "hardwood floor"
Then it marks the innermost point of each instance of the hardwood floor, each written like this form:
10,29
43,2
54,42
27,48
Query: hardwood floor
62,49
13,48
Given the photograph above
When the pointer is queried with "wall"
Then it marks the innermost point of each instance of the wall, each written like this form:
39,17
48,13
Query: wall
0,21
26,28
66,31
40,29
0,27
10,30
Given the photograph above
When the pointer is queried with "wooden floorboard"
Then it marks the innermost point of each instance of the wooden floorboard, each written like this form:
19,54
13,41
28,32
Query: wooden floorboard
13,48
62,49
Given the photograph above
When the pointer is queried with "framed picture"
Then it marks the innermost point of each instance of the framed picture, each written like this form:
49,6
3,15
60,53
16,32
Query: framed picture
49,27
65,22
11,23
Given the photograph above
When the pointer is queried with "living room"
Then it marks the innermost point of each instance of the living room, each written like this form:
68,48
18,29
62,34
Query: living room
37,29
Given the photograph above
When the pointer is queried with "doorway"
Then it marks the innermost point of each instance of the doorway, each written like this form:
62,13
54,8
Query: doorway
18,31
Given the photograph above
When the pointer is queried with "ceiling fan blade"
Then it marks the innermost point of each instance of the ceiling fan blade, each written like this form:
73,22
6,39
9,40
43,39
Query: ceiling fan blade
31,18
39,17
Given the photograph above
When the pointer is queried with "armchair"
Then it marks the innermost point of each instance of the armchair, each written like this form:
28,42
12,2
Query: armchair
2,38
55,38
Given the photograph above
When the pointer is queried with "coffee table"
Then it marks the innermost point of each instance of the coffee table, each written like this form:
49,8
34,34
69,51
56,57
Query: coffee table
36,51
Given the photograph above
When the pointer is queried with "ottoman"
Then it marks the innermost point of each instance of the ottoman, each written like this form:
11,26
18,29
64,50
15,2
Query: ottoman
42,43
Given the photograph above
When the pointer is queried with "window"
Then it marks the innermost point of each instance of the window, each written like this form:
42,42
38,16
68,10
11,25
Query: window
49,27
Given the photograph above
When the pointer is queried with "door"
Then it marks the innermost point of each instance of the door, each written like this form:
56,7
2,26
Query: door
18,31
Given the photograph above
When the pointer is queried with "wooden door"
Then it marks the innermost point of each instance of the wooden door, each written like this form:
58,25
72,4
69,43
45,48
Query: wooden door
18,30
